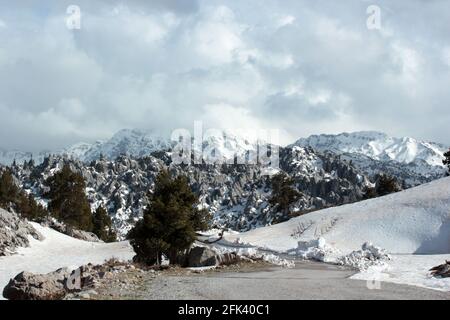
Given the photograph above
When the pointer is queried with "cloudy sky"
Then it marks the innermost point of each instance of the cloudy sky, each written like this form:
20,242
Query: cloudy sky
303,67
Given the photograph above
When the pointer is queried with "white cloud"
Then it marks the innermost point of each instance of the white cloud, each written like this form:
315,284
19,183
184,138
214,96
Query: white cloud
293,65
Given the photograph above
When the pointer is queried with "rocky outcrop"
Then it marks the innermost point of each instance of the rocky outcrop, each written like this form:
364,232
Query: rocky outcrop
14,232
62,282
236,195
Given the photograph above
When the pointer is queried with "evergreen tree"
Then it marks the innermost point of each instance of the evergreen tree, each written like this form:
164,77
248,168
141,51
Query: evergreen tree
9,191
170,222
102,225
13,198
446,161
68,201
384,185
387,185
284,193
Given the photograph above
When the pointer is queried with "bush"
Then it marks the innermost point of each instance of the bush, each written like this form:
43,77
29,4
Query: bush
170,222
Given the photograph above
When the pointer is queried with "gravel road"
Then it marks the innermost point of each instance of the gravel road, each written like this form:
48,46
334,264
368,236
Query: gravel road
308,280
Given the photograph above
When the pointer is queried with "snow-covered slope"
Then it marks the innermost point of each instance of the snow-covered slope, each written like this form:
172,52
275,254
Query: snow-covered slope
413,160
57,251
412,221
412,225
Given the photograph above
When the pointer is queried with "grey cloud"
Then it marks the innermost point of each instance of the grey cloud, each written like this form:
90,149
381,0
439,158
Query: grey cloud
301,66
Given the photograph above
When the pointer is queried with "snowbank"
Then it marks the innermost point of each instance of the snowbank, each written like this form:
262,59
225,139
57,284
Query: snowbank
413,221
408,269
56,251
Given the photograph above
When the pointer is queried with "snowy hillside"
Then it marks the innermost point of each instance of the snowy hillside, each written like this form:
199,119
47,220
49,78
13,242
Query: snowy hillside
407,158
407,224
57,251
412,221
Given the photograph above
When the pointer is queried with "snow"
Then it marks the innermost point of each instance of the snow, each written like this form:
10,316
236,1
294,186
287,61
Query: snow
378,146
413,227
408,269
57,251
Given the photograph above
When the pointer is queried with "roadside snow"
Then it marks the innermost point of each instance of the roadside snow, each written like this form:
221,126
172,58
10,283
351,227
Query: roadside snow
408,269
56,251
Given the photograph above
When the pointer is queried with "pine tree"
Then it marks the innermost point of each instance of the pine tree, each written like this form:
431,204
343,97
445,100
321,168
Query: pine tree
384,185
387,185
9,191
68,201
446,161
102,225
284,194
170,222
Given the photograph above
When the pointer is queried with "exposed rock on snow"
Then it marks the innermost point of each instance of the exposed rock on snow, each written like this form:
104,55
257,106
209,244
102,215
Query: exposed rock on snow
14,232
442,270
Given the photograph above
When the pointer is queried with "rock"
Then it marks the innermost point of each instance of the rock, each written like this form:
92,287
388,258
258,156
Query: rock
14,232
442,270
29,286
201,257
228,258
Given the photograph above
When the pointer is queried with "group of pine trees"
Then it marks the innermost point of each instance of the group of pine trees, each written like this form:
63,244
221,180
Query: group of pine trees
384,185
12,197
68,203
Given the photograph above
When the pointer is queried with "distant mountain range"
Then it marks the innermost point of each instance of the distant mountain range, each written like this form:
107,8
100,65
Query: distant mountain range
328,170
409,159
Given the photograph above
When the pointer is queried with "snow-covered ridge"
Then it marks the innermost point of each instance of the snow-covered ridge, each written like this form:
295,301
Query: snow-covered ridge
378,146
139,143
408,159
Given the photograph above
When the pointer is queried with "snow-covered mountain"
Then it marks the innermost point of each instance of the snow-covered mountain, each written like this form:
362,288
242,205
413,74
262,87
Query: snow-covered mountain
412,161
140,143
407,158
237,195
